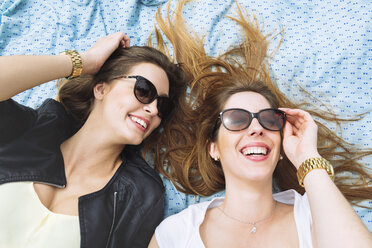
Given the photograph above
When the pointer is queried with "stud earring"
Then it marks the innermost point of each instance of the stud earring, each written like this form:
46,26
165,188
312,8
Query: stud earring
281,157
216,158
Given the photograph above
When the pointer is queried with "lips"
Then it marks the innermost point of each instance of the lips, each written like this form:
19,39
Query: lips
140,122
256,151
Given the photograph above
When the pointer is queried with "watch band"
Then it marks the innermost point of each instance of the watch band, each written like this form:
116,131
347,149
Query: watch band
313,163
77,63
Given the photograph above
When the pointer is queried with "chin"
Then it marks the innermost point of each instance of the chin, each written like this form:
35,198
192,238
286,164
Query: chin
135,142
257,174
126,139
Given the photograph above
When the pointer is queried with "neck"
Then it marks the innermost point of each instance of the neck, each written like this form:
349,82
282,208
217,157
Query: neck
90,153
248,203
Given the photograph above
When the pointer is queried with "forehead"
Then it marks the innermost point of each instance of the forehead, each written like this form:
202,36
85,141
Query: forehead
154,73
247,100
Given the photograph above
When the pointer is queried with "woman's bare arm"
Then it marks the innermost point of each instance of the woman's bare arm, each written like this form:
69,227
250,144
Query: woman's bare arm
335,223
21,72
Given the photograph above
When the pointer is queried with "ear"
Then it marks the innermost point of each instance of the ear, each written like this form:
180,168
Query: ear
100,90
213,151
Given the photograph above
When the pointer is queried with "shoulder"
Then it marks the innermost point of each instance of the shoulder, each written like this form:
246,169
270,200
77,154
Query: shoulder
48,106
46,119
57,113
302,214
51,106
183,227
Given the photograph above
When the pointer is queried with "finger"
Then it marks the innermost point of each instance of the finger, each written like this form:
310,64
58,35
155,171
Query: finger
294,121
299,115
120,37
295,126
288,130
306,119
296,116
296,131
126,40
297,112
117,35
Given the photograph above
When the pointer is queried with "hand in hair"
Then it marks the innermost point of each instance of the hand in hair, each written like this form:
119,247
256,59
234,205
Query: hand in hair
94,58
299,136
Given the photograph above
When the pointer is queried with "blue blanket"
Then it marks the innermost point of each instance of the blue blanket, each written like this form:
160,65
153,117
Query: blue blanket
326,48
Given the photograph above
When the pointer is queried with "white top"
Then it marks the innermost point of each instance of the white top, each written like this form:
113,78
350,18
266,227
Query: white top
25,222
182,230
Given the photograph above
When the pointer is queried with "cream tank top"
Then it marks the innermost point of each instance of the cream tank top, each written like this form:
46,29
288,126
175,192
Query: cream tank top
26,222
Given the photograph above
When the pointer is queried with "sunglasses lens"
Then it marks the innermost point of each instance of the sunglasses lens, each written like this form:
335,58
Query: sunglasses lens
164,107
239,119
146,93
144,90
236,119
272,119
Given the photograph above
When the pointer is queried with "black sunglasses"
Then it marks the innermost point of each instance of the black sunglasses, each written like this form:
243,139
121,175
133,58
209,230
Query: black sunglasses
146,93
236,119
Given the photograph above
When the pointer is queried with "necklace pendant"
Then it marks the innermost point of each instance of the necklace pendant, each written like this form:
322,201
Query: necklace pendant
254,229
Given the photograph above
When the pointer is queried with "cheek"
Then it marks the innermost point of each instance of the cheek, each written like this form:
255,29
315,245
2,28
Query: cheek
277,140
226,142
155,123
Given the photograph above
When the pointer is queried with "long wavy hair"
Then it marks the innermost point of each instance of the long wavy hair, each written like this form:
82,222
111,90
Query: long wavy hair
76,95
181,153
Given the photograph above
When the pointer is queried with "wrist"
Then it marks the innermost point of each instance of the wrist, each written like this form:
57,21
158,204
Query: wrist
311,164
65,66
76,61
87,68
315,177
90,62
305,157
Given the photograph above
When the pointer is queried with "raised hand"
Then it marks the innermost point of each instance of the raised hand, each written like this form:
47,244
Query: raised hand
299,136
94,58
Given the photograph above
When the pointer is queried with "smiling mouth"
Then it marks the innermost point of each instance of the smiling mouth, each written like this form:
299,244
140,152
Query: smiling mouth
255,151
139,121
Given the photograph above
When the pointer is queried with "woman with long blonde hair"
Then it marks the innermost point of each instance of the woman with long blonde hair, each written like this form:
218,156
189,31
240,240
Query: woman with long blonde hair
243,135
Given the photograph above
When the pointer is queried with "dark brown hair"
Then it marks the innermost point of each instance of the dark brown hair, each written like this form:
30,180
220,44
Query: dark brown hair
186,160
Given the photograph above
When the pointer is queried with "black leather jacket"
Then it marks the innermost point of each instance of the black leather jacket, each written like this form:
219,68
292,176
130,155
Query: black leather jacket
122,214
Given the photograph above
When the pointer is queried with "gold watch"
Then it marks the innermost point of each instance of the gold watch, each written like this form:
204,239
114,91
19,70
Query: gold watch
313,163
77,63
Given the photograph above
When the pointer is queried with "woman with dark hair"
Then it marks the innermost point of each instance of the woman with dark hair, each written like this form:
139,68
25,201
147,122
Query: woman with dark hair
242,135
71,171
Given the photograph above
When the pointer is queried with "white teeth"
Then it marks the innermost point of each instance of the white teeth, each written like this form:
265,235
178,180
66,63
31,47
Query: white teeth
255,151
139,121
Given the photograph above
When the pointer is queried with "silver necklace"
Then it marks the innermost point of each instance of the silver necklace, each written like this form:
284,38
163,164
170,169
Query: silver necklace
254,228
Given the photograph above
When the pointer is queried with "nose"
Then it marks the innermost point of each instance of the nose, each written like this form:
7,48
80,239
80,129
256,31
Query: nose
152,107
255,128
